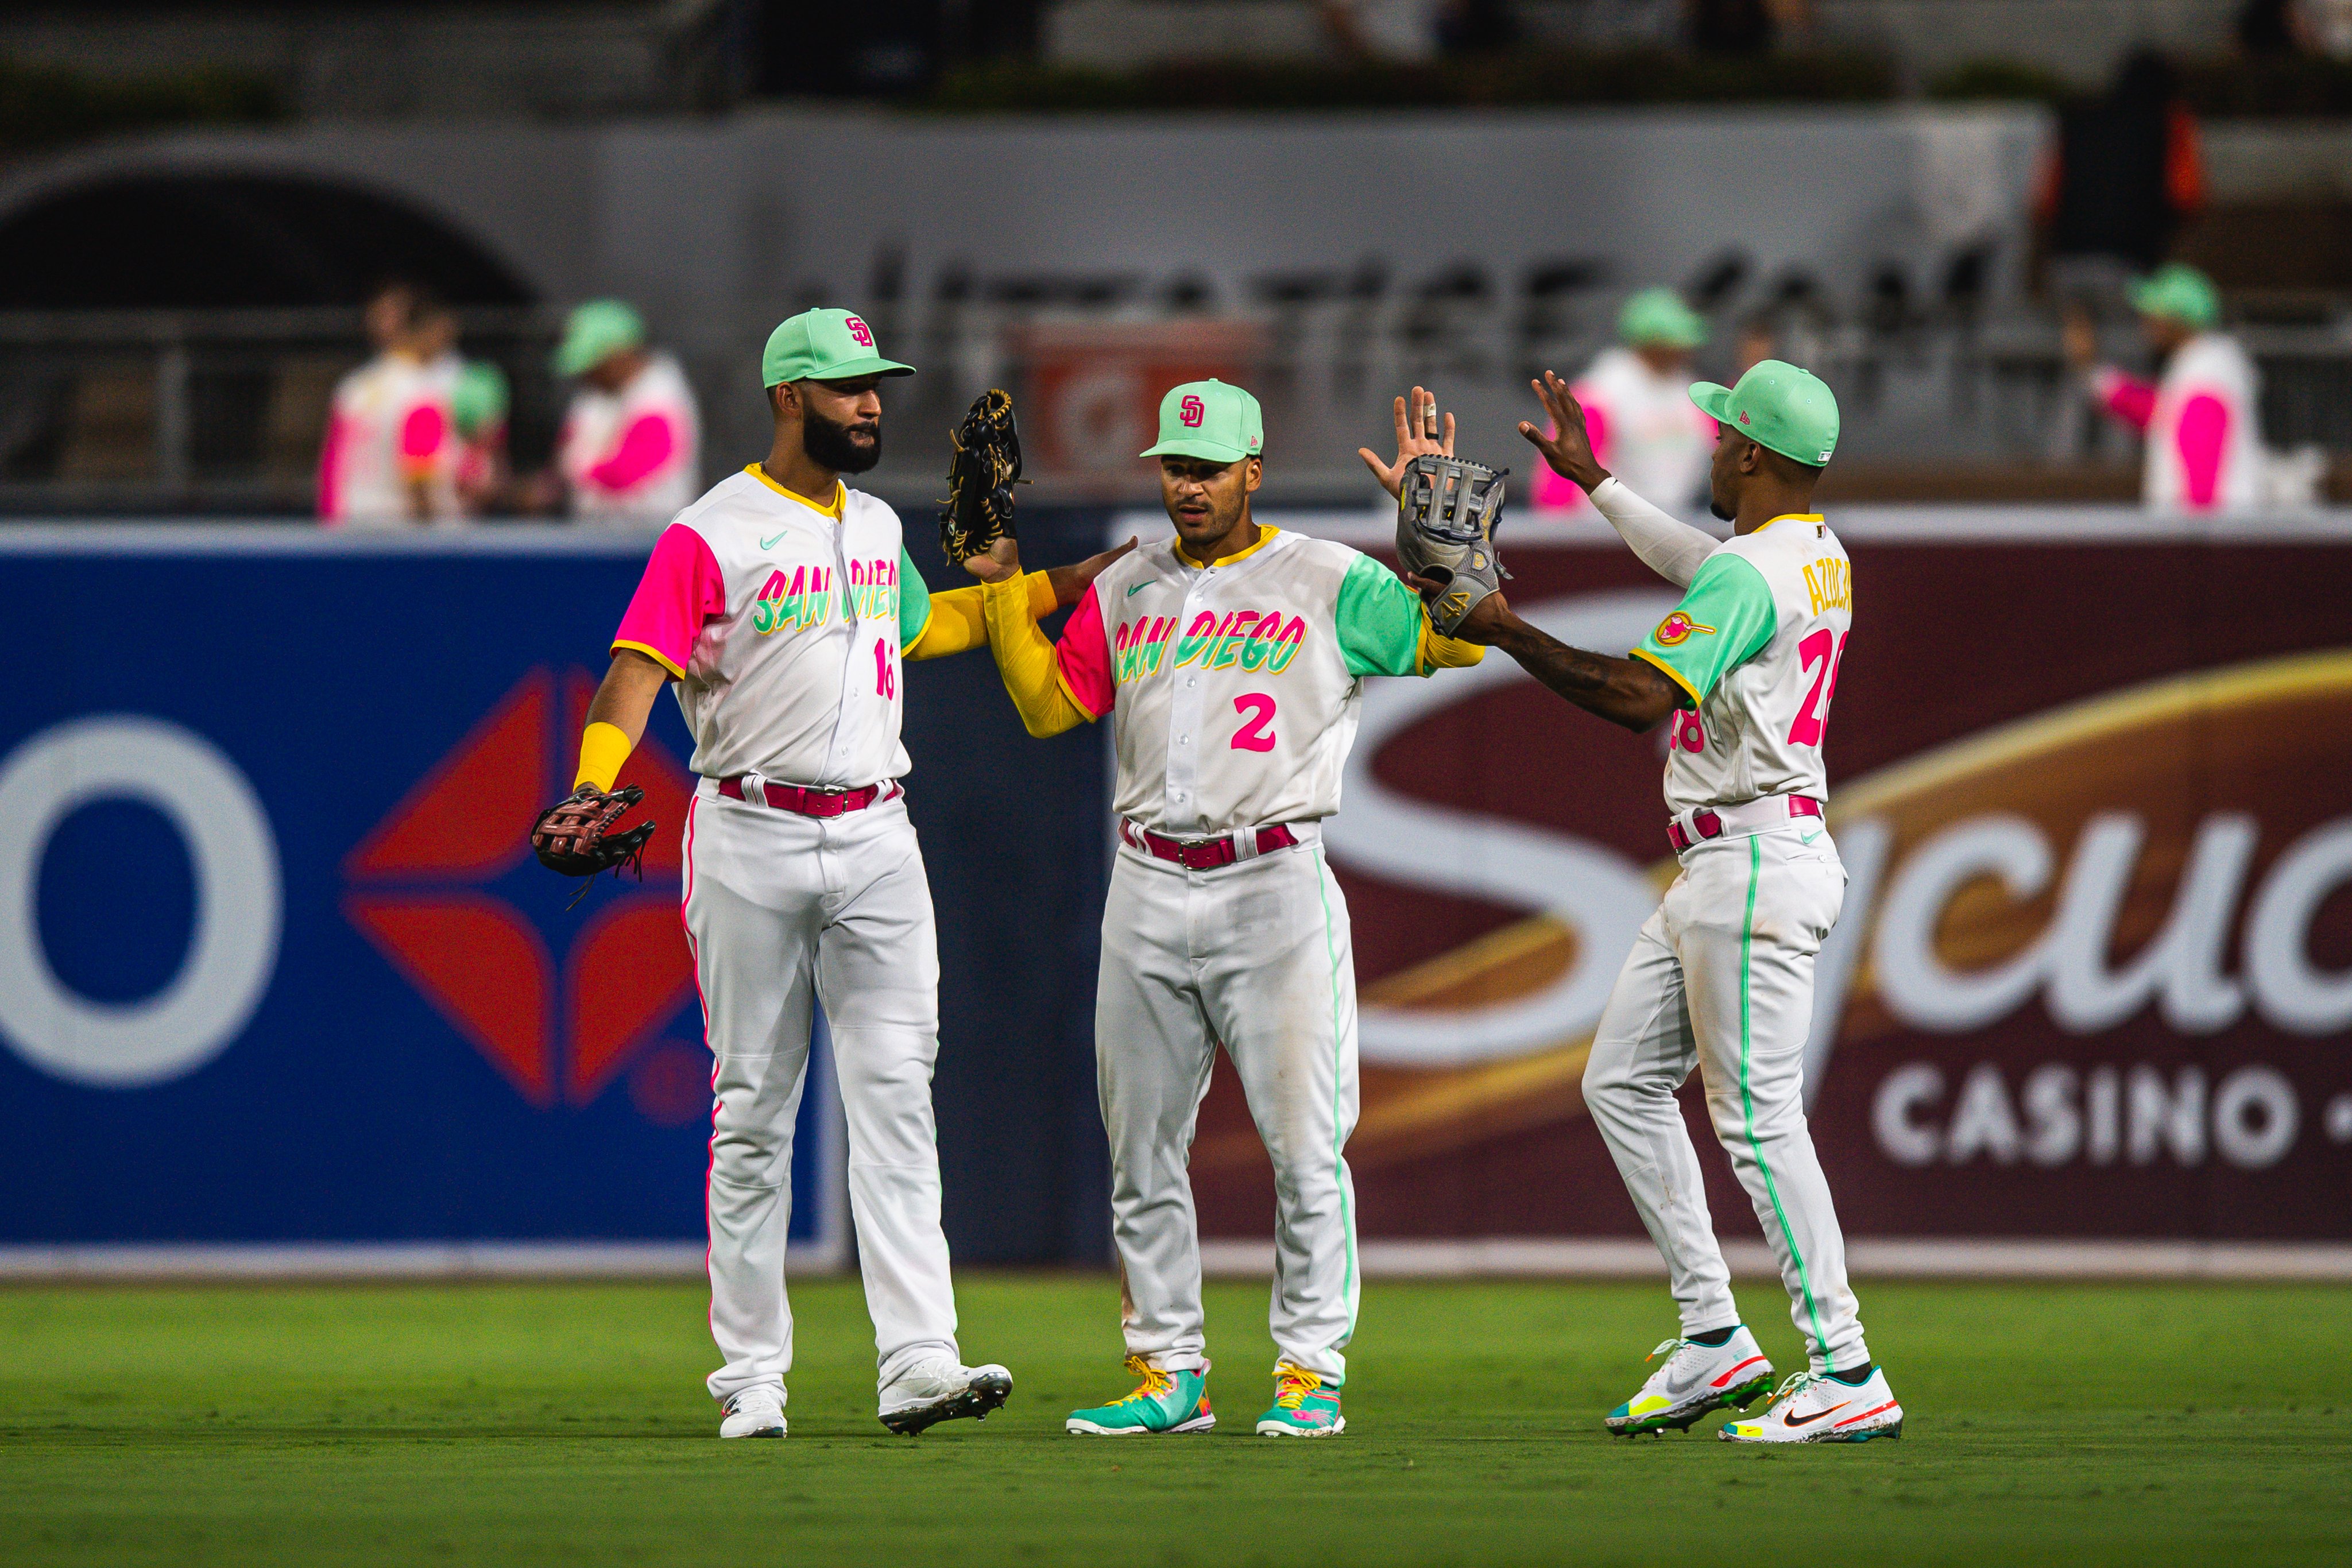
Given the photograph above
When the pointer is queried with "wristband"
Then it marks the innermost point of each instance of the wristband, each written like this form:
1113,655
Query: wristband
603,749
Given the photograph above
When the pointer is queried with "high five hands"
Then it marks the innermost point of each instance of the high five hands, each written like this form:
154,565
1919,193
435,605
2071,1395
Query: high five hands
1570,452
1418,432
1070,582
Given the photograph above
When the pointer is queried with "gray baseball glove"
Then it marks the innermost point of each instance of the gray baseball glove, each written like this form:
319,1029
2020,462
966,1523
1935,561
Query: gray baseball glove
1448,511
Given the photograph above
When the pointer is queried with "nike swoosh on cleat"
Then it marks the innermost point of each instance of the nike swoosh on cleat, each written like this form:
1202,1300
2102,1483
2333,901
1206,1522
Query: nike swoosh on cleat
1816,1415
1736,1371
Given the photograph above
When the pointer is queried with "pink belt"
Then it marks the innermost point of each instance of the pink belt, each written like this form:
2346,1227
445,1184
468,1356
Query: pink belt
1708,823
1209,853
810,802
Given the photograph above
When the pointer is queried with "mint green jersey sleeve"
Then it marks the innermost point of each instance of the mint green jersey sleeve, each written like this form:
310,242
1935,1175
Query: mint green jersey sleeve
914,601
1380,621
1726,618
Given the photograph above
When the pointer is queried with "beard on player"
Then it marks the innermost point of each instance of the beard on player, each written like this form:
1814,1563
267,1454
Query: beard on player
844,448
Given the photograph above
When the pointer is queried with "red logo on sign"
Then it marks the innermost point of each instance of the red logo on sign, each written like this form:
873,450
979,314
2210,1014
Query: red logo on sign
426,888
1191,411
861,331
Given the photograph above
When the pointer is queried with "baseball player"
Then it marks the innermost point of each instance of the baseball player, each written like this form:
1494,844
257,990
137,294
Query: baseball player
631,439
1722,976
390,456
1230,659
1637,409
782,604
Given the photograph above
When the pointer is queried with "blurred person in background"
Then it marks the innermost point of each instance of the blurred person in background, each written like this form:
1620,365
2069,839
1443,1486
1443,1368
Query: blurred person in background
390,455
631,442
478,411
2198,418
1637,407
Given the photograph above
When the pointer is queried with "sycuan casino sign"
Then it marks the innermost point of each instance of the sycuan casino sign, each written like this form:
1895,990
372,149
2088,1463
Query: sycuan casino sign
2093,979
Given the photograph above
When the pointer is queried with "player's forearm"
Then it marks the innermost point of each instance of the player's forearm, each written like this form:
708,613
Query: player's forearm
1623,691
1668,545
616,716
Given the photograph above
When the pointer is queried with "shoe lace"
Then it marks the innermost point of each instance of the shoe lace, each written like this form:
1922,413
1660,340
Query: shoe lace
1292,1385
1671,1349
1796,1383
1155,1382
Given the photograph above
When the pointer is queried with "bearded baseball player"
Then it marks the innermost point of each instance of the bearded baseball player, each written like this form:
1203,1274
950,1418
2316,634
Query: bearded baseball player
1721,977
1230,659
782,604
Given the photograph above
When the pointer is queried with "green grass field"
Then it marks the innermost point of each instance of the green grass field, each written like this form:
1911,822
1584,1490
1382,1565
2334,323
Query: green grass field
565,1425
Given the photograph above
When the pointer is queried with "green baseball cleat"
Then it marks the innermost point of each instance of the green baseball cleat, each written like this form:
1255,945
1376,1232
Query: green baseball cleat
1304,1406
1164,1402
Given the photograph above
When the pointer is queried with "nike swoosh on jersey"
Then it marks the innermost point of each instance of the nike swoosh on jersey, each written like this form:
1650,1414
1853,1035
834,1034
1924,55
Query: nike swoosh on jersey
1807,838
1809,1421
1138,588
770,543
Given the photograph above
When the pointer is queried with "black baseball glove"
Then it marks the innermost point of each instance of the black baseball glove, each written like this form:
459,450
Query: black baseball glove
987,463
575,835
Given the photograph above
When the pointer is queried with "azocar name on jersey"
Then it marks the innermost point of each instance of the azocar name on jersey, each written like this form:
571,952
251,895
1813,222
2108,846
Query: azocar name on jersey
1829,583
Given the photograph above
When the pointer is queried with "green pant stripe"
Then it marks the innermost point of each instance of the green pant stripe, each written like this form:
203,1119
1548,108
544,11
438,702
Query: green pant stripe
1748,1101
1338,1163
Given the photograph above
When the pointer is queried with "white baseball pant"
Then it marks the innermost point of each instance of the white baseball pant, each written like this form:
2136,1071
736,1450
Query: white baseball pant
784,910
1256,955
1722,977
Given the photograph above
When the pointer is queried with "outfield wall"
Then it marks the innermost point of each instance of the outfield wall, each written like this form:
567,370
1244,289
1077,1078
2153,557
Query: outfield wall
281,994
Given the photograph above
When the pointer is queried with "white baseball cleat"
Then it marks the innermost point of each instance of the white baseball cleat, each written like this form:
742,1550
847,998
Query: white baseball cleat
1697,1378
934,1391
755,1412
1813,1407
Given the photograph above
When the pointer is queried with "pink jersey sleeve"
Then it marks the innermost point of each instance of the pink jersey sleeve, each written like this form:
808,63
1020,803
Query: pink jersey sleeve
1554,492
421,434
2201,434
331,468
643,448
1084,655
682,588
2128,398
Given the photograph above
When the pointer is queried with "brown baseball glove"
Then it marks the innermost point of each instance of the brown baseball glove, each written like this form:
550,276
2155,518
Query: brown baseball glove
575,835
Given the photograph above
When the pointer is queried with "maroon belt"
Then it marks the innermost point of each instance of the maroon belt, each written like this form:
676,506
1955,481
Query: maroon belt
1209,853
811,802
1710,825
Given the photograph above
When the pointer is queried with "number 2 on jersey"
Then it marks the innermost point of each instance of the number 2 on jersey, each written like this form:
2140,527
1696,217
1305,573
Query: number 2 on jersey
1826,649
1257,734
884,683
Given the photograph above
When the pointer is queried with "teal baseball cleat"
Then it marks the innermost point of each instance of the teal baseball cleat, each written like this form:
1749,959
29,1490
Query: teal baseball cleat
1304,1405
1164,1402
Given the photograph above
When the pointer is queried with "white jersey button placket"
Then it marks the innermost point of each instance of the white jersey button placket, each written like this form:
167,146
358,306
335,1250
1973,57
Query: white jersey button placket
1184,714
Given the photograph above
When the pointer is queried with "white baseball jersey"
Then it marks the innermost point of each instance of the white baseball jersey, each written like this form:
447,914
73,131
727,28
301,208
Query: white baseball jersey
2204,426
388,425
1235,686
785,629
1755,645
635,453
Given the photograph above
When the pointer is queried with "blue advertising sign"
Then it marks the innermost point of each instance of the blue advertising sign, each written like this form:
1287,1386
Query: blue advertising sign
276,964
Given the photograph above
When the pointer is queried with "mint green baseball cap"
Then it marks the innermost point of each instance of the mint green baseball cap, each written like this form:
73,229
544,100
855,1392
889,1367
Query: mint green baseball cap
596,331
1776,405
1659,316
823,346
2180,292
1210,420
479,398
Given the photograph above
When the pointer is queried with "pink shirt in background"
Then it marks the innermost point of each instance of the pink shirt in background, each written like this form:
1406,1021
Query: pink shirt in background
2200,421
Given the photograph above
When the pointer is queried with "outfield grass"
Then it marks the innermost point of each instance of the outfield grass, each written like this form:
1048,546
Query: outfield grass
566,1424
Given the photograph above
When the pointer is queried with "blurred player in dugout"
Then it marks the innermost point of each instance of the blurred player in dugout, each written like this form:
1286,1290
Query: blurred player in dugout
631,442
390,455
1637,407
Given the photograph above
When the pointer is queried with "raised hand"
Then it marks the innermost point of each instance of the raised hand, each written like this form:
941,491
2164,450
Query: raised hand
1569,452
1070,582
999,561
1418,430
